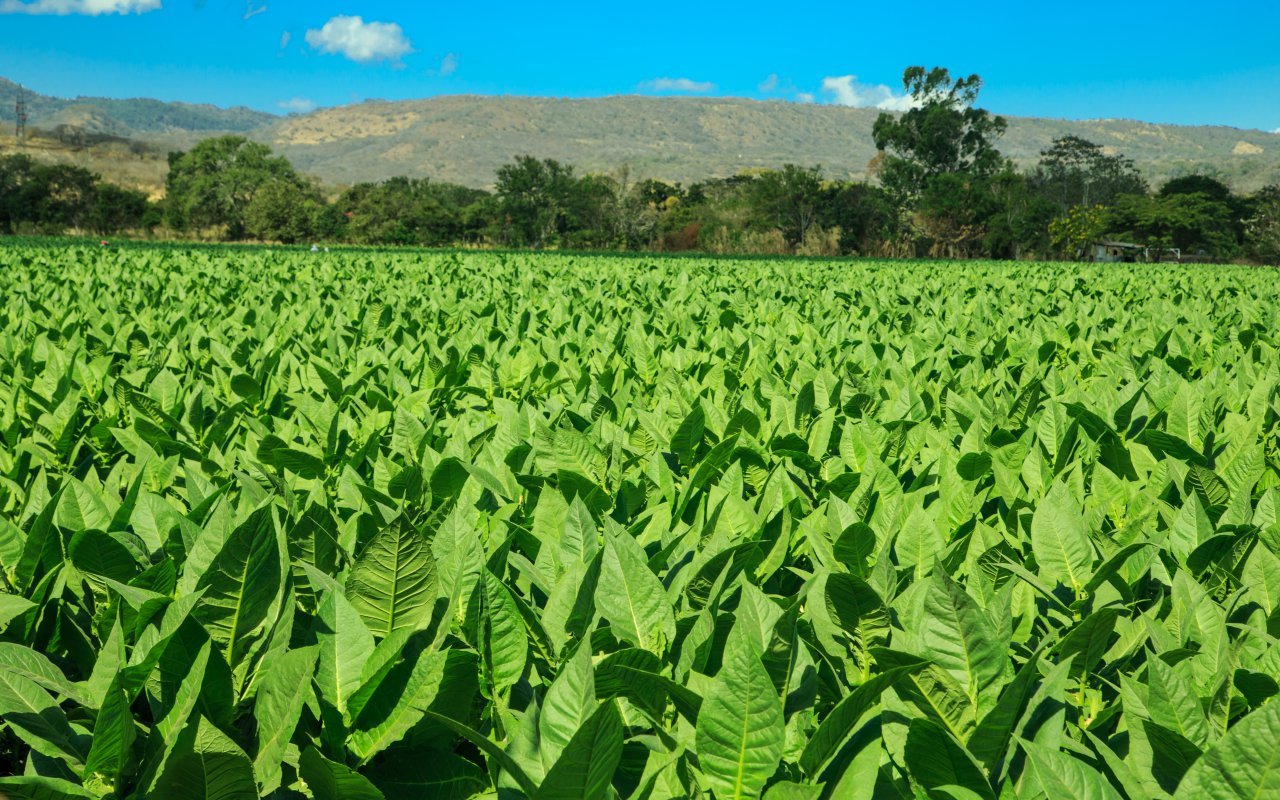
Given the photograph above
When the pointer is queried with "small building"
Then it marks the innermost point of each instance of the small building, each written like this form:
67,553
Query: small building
1129,253
1118,252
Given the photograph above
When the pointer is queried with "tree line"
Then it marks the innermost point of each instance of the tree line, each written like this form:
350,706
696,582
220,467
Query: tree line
41,198
939,188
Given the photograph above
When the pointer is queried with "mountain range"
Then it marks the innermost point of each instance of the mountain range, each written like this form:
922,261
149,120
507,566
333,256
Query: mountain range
465,139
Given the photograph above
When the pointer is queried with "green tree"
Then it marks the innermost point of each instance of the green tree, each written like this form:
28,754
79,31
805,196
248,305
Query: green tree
659,195
16,173
1263,227
787,200
116,209
943,133
863,213
1072,233
640,205
535,197
283,211
594,211
408,211
49,198
1210,187
1206,185
62,197
1190,222
214,184
1076,172
1016,217
948,215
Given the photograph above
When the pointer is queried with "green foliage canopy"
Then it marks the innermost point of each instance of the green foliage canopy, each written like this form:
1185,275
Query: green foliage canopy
376,525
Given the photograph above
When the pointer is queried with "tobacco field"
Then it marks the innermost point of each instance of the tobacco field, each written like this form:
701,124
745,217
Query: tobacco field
373,525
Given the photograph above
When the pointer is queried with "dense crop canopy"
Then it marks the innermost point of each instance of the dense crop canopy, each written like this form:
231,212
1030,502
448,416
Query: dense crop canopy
361,525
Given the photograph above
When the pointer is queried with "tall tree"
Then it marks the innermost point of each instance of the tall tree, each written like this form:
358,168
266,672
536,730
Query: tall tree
116,209
943,133
1263,226
1077,172
15,179
283,211
214,184
408,211
535,196
1206,185
863,213
1190,222
1211,188
48,198
787,200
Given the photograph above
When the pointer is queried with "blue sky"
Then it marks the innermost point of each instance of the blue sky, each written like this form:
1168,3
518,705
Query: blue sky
1174,61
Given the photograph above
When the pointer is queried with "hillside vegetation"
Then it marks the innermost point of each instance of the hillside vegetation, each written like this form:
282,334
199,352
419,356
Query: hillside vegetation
464,139
941,187
131,163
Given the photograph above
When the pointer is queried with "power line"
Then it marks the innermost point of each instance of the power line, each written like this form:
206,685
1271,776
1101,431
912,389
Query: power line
20,131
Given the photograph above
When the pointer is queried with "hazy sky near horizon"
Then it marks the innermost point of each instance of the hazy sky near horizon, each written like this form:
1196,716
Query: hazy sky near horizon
1175,61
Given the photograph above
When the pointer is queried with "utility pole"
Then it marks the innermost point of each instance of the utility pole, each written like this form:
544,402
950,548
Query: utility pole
20,131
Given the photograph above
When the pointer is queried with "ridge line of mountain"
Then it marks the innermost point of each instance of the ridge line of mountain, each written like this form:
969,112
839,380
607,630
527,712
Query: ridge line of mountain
465,138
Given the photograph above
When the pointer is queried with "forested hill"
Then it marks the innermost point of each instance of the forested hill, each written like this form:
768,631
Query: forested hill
464,139
137,118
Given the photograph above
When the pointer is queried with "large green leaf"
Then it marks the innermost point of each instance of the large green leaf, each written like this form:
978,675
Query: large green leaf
935,759
959,637
569,701
207,766
587,763
1060,775
38,721
33,787
630,597
839,724
740,731
493,752
114,731
81,507
182,683
284,685
16,659
345,646
393,582
415,773
101,555
1060,541
329,780
13,606
498,631
856,608
402,697
1243,764
241,586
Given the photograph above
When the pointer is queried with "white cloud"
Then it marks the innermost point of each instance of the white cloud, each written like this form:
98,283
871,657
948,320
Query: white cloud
448,65
364,42
769,84
90,8
677,85
297,105
806,97
285,38
1276,131
847,91
251,10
